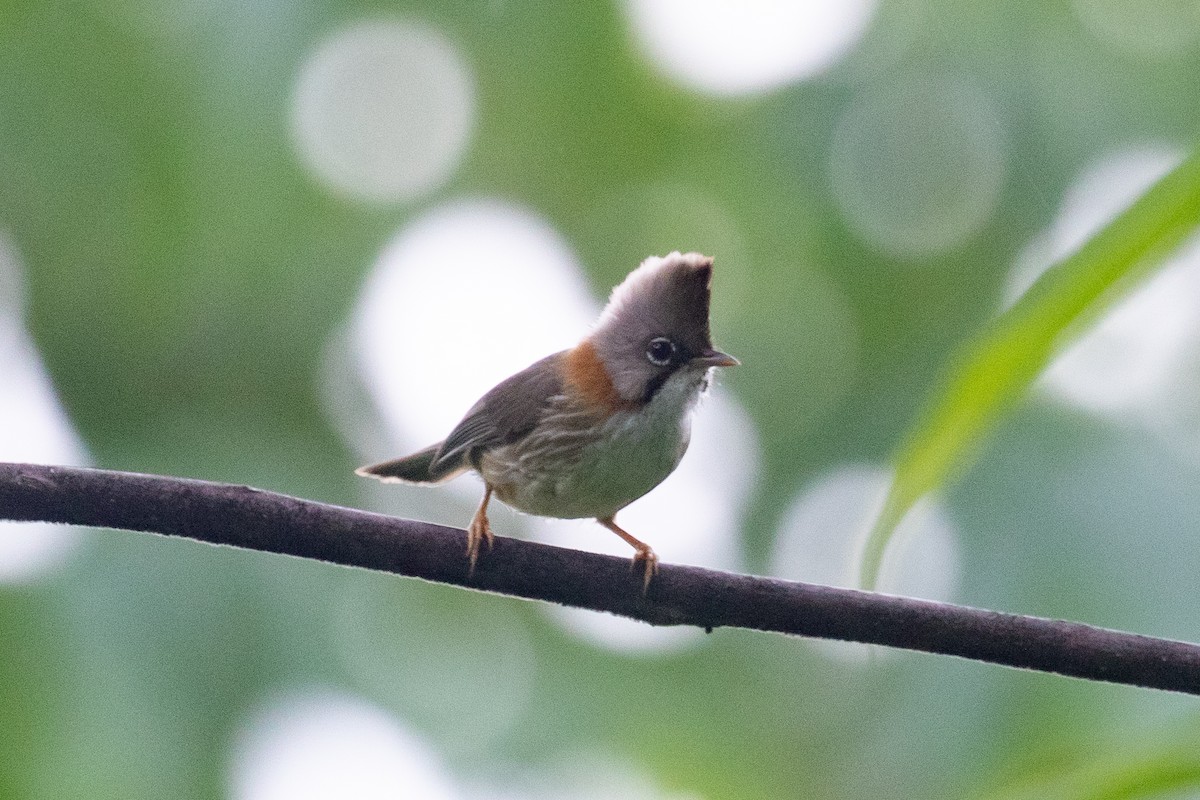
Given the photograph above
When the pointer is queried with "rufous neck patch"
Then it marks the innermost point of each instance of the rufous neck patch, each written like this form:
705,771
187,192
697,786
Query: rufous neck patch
587,375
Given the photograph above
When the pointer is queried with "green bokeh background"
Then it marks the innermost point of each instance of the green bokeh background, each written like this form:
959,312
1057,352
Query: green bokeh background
185,272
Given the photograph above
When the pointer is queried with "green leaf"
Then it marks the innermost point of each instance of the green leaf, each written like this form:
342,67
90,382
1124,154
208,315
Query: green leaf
993,370
1166,767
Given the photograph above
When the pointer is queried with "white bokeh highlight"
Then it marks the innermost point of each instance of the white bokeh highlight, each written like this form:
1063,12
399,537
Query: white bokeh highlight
1134,362
383,110
746,48
321,745
822,535
474,291
460,299
36,430
917,168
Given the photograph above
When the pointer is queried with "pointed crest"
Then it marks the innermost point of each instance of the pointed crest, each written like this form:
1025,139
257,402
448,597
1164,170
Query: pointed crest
669,294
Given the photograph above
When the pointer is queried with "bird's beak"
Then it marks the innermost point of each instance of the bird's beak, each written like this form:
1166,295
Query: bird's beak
715,358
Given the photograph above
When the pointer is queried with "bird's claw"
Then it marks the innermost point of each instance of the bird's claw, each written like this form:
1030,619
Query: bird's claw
651,567
477,532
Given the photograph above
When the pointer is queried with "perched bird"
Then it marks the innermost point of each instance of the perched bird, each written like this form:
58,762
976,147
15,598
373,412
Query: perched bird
585,432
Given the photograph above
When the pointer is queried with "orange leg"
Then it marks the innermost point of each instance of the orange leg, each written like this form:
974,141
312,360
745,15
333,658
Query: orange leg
479,529
644,551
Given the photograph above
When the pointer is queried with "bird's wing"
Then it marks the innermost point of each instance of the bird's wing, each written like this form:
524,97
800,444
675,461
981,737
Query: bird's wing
506,413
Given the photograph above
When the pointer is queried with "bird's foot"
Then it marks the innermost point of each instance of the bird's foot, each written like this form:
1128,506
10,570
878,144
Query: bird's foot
477,532
642,551
646,554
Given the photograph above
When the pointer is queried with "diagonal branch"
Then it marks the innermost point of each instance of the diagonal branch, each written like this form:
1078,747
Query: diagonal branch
250,518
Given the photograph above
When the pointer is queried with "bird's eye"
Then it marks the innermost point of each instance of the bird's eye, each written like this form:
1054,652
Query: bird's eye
660,351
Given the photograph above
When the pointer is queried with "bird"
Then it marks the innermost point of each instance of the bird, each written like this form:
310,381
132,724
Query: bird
586,431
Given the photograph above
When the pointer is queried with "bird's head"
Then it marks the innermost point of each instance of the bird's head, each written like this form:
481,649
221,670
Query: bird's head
655,327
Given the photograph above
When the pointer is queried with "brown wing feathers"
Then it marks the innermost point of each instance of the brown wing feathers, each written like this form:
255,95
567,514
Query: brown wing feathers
504,414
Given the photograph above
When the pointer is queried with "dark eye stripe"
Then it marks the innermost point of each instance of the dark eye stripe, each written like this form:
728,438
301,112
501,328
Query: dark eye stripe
655,384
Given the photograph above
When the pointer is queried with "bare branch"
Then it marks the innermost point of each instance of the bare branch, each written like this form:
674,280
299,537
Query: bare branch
240,516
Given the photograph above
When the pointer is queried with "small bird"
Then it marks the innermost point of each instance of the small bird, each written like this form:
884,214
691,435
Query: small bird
586,431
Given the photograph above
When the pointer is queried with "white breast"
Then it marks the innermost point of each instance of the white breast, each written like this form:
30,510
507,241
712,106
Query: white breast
569,468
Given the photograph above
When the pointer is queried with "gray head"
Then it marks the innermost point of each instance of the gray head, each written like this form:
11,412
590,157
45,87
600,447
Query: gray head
656,324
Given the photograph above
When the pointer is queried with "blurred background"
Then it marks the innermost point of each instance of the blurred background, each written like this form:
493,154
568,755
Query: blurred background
267,242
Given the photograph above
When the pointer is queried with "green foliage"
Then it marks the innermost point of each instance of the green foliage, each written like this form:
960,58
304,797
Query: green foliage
188,281
996,368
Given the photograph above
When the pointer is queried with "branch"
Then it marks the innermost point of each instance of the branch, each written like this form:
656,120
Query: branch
250,518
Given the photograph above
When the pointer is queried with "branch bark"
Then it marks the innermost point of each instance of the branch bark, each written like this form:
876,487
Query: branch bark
241,516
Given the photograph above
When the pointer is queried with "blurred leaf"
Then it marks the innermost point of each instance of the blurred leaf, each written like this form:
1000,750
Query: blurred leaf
1169,769
992,371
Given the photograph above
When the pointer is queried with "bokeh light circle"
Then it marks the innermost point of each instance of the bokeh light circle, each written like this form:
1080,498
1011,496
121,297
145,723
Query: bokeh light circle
747,47
383,110
821,536
318,744
460,299
917,168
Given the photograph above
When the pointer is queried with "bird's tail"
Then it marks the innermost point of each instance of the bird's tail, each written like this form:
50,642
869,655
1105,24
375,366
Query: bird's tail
420,467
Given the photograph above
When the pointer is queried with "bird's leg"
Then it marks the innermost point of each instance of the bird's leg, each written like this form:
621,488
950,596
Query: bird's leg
644,551
479,529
